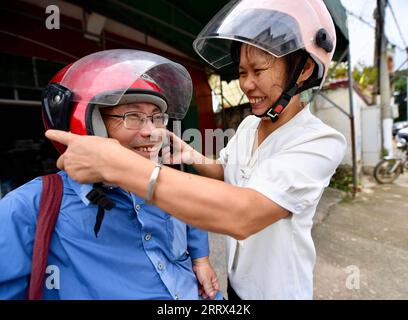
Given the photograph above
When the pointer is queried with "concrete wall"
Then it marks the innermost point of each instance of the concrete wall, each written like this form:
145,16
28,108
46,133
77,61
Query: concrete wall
339,121
371,126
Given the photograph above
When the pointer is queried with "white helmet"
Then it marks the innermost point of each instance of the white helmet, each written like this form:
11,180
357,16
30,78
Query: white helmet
279,27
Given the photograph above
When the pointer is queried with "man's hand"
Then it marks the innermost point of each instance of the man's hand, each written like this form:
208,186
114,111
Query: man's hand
207,278
84,160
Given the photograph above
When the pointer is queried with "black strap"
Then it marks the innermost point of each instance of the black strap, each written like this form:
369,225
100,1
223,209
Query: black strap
98,197
291,90
99,218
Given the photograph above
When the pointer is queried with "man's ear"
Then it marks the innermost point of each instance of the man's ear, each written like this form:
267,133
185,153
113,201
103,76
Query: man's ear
307,71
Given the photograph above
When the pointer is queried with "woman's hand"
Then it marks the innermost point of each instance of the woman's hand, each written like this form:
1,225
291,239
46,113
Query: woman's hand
207,278
181,152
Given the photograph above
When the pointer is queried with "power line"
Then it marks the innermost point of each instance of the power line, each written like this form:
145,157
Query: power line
397,24
361,19
401,65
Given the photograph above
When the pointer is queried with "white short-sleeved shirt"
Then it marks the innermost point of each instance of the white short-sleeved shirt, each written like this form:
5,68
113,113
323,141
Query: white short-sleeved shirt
291,167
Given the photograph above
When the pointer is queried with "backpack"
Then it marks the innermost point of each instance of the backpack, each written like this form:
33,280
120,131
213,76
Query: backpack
50,203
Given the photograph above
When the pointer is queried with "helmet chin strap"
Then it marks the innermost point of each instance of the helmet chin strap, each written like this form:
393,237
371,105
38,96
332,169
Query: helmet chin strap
291,90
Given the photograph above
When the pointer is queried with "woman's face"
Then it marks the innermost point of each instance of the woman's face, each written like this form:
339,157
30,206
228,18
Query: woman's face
261,78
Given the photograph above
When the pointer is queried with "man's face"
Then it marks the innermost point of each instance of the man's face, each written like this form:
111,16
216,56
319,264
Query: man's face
137,140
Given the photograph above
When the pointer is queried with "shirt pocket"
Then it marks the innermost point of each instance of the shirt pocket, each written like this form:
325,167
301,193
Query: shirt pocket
177,238
76,221
152,212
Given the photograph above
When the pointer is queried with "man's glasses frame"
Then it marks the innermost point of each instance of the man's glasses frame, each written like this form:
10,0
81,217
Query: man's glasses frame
137,120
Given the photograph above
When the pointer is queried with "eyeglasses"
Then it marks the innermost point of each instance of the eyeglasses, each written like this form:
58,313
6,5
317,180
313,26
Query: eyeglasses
137,120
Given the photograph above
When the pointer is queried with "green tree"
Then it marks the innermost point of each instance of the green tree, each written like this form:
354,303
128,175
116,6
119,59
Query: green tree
366,77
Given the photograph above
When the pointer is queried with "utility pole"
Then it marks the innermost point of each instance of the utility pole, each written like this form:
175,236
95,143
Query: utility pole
384,79
406,93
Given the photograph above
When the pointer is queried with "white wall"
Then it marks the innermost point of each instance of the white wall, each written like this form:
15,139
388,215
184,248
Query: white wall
371,126
333,117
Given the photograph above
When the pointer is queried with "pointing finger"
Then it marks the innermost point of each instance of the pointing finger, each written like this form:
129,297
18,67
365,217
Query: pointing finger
60,136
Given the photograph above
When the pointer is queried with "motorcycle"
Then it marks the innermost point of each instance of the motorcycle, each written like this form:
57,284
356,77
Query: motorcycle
389,169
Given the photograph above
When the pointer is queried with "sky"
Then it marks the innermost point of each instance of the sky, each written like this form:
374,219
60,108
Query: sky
362,36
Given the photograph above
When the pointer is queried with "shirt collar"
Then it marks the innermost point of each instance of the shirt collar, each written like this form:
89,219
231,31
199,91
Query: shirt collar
299,119
82,189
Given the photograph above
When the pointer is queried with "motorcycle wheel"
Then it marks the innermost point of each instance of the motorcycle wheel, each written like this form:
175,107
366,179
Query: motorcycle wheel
382,172
406,165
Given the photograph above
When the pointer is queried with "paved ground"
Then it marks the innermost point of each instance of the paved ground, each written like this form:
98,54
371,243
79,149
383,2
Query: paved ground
218,259
361,244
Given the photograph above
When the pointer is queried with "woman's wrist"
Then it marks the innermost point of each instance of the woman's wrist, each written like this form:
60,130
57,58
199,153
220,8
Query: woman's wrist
119,163
111,173
196,158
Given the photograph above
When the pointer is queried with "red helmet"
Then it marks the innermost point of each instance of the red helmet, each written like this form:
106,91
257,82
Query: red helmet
72,99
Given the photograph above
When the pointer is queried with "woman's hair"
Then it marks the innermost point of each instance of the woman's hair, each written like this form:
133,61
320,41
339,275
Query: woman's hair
291,60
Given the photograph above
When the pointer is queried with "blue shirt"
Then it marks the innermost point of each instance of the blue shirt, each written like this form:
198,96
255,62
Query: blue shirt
141,252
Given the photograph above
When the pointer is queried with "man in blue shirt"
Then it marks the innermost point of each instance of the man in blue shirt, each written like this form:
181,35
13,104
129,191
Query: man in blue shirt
139,251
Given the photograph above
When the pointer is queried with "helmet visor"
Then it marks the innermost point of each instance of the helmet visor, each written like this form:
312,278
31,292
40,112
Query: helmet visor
104,77
248,22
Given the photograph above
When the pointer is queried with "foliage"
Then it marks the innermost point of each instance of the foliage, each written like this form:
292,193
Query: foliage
384,153
343,178
400,86
365,76
340,72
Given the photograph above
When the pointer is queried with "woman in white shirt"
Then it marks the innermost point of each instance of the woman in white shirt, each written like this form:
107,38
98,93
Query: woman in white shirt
264,188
